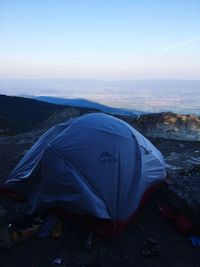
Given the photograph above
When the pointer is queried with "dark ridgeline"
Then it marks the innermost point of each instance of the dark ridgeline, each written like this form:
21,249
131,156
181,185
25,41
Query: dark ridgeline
19,114
22,114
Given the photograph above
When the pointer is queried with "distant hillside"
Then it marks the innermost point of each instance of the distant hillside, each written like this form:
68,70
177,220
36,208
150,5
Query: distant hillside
79,102
22,114
19,114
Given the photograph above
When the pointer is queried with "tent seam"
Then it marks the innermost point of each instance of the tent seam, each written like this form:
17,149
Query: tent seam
52,148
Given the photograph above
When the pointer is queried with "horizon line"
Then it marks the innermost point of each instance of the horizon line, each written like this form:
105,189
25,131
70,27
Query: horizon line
104,80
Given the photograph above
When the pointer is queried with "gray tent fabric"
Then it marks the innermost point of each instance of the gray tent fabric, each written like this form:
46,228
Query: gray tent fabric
95,164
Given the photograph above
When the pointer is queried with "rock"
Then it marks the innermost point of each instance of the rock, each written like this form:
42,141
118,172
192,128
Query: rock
183,194
183,181
167,125
60,117
150,248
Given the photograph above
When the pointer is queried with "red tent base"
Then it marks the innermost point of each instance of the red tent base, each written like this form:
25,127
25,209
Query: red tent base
102,227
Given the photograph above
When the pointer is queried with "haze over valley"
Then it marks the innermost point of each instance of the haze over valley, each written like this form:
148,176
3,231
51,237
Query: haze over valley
179,96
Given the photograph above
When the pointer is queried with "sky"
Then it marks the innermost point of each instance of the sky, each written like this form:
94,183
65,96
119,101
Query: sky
100,39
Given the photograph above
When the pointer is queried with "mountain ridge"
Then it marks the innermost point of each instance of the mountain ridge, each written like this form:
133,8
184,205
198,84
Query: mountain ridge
81,102
20,114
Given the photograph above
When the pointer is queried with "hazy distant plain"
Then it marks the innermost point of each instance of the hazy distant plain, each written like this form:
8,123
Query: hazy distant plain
182,96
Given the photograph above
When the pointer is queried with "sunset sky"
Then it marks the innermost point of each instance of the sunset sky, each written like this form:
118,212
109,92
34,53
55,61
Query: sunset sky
100,39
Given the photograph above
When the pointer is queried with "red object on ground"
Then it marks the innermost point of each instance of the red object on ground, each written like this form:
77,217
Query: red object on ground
184,224
181,221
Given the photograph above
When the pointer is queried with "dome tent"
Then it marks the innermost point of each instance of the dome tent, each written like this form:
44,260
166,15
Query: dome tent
94,165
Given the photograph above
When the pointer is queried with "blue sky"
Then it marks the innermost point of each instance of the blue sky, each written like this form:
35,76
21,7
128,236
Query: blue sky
100,39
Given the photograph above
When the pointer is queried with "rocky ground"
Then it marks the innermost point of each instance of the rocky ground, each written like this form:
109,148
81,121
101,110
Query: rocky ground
183,161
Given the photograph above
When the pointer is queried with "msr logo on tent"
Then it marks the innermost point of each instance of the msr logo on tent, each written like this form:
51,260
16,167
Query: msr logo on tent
106,157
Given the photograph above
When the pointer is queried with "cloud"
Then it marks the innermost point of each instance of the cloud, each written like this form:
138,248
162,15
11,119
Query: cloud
184,43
